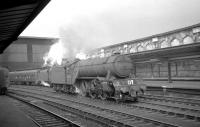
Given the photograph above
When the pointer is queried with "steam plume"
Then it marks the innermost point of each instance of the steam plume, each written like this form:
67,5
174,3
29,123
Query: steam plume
84,35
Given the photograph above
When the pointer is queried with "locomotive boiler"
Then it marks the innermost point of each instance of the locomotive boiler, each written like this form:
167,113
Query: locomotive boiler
117,66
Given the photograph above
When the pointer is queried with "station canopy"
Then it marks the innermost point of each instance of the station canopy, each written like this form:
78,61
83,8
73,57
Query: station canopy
171,53
15,16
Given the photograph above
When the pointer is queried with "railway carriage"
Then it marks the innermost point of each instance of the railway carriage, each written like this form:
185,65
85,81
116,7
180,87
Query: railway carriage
28,77
4,80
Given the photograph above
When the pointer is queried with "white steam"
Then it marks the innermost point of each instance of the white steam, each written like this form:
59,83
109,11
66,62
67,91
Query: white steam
55,54
84,35
81,56
45,83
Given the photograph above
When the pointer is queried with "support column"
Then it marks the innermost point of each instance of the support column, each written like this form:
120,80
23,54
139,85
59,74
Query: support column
30,53
151,64
158,70
134,71
169,71
176,69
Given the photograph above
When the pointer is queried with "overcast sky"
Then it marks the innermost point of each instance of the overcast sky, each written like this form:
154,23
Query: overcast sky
106,22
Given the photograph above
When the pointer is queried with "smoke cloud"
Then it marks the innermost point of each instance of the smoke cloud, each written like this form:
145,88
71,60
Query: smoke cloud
83,35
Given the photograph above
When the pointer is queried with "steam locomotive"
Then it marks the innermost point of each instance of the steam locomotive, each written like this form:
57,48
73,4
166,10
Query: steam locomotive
108,77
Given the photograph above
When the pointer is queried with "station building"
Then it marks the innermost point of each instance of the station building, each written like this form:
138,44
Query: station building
26,53
173,56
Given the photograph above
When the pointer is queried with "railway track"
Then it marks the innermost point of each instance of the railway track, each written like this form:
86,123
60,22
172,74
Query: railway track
178,100
38,88
179,111
139,118
176,94
111,117
184,91
42,117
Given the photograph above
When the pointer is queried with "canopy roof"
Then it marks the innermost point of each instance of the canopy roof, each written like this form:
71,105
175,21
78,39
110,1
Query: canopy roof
15,16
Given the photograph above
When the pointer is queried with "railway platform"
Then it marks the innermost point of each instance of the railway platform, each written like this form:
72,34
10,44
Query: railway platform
191,85
11,116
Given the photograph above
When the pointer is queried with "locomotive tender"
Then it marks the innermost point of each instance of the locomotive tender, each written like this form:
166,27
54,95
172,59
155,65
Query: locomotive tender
107,77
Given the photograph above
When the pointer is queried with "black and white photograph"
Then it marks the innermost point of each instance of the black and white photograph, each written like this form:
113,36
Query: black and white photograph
99,63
